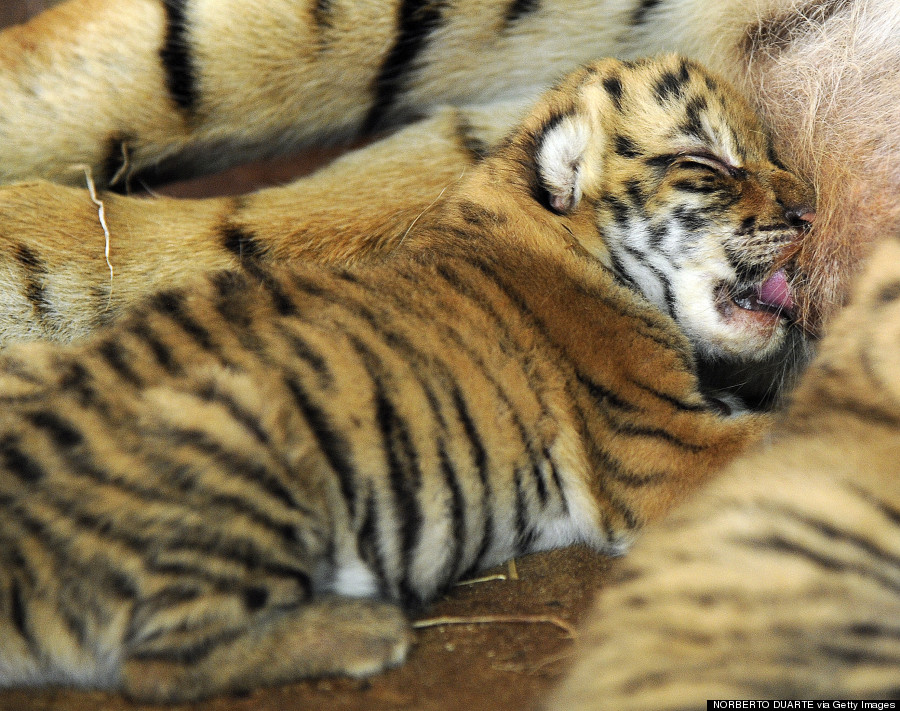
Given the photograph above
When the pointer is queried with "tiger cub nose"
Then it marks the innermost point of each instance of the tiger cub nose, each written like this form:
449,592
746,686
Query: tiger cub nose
799,216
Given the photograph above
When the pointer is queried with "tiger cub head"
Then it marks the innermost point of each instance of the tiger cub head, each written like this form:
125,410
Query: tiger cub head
687,202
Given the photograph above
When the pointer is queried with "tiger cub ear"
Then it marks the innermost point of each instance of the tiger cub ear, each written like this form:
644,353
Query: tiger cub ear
568,160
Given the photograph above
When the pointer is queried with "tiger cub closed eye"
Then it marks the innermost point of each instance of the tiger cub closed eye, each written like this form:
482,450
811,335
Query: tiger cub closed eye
247,482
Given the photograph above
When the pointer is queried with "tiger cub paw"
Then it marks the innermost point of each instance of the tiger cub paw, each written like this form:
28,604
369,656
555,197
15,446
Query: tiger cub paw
328,637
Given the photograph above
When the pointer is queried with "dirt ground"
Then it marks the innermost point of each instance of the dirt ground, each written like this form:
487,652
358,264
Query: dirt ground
504,662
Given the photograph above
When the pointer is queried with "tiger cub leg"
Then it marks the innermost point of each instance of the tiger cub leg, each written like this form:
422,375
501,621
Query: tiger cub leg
335,635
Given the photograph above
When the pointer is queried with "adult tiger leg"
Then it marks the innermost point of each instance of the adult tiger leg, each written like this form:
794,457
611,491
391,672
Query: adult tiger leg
154,88
122,86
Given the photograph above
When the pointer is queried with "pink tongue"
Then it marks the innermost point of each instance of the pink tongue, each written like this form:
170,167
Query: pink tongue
776,292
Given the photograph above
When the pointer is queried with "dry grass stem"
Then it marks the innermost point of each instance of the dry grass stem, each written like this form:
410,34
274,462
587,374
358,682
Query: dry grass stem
497,620
101,213
484,579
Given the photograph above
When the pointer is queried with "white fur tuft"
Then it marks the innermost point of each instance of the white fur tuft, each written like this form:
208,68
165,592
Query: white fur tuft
560,160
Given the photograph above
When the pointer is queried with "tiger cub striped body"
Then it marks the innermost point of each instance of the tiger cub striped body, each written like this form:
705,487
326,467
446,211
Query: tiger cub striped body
781,580
247,481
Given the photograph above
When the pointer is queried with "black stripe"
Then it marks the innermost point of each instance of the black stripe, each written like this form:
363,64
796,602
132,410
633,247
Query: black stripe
706,185
598,394
671,85
525,533
322,14
661,278
281,299
517,9
405,478
601,460
604,397
780,544
368,541
74,378
874,630
237,304
644,7
620,211
480,458
657,433
476,149
186,653
463,288
171,304
675,402
883,506
693,125
859,657
404,471
306,353
141,330
332,444
457,512
480,216
557,481
616,471
625,146
35,274
229,462
63,433
635,191
109,578
613,86
176,57
888,293
540,483
662,161
826,529
403,346
417,21
19,369
250,421
17,462
82,464
116,356
692,220
240,242
19,615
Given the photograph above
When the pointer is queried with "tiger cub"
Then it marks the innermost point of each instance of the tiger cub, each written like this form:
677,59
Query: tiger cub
782,579
248,481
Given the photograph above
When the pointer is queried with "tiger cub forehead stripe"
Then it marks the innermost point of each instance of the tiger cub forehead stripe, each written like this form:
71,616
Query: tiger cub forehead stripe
671,85
613,86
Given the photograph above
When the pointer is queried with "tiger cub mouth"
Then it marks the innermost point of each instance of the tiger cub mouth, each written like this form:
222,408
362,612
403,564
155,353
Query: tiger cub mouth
765,303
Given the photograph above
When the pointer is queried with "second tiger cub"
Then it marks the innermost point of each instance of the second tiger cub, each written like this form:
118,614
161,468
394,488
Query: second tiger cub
247,482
